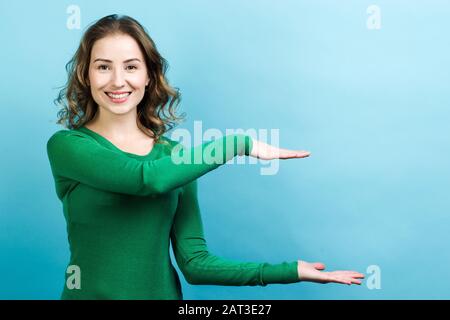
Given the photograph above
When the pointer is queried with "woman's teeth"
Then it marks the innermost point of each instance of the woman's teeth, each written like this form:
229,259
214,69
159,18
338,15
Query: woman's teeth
118,96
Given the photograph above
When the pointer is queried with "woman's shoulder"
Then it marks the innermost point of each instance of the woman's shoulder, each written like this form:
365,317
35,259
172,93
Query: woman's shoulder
65,132
68,133
63,136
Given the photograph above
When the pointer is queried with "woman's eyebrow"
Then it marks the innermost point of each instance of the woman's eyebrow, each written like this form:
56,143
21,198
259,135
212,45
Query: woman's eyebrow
106,60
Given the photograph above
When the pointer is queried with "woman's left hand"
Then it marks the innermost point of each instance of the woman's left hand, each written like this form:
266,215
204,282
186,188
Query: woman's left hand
313,272
264,151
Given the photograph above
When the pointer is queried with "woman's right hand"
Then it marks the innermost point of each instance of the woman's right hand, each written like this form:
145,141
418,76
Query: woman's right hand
312,272
265,151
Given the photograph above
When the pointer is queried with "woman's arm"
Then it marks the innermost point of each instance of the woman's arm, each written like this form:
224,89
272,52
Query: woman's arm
74,156
199,266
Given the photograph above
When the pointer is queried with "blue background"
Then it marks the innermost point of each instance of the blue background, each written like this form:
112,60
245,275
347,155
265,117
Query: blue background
373,107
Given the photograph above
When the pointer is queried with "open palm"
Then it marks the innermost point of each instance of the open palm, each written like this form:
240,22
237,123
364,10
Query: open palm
266,151
312,272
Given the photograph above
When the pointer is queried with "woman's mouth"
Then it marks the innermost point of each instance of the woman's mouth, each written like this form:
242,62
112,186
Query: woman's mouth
118,97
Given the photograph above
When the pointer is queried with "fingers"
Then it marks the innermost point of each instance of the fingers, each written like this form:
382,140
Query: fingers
289,154
303,154
356,281
353,274
286,154
340,280
346,277
344,280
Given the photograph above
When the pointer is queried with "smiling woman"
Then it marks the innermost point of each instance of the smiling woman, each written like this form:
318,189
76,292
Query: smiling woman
123,81
124,203
118,69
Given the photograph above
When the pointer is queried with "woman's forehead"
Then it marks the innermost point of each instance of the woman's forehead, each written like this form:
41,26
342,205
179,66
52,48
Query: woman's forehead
116,47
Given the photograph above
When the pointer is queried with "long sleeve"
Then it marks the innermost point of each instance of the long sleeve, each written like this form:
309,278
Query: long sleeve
77,157
199,266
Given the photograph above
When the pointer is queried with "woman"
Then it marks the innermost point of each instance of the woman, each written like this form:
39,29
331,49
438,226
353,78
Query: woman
124,197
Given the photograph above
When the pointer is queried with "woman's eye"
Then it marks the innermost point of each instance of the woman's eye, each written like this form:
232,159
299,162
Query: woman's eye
105,67
102,67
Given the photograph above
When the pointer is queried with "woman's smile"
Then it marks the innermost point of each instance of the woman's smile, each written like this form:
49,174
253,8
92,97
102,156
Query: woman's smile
118,96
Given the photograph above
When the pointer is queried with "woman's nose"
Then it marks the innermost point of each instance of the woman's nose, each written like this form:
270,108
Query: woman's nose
118,78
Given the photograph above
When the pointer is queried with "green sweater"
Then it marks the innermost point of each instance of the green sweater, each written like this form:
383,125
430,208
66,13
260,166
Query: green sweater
123,210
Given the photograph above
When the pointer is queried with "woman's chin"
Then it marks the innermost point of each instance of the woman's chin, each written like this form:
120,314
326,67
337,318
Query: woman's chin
119,109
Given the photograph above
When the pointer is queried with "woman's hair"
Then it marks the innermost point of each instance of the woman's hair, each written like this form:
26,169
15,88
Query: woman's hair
155,111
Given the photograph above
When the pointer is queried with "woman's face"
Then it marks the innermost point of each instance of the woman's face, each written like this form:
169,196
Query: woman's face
117,74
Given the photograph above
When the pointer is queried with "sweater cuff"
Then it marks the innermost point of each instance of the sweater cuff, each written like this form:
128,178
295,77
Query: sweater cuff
243,144
248,145
286,272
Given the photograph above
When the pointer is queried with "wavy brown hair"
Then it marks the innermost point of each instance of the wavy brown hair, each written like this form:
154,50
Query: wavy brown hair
156,111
